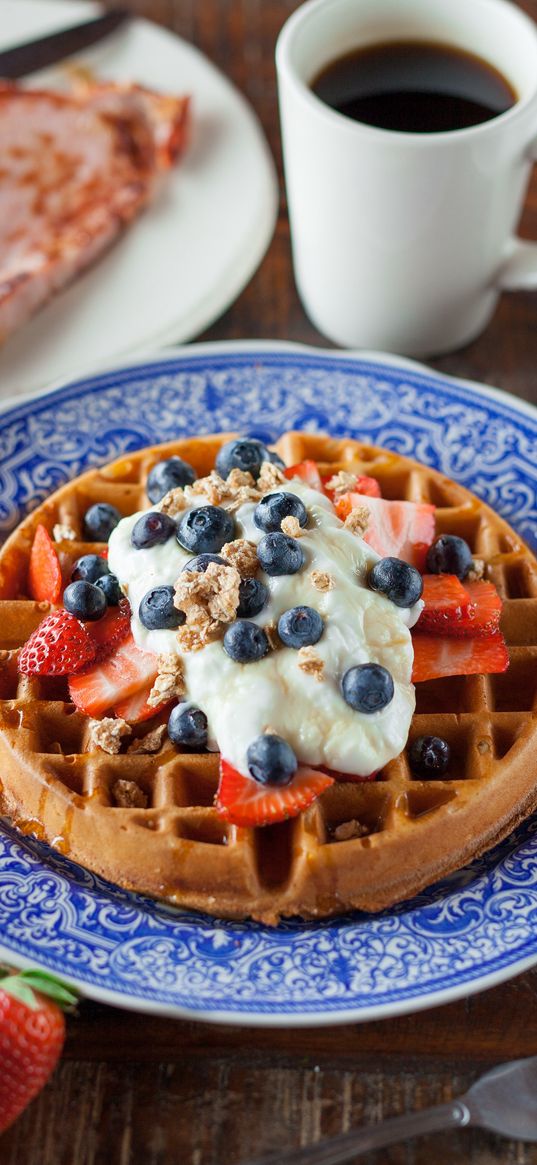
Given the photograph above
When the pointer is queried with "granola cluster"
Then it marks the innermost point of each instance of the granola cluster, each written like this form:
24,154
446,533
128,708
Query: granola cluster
170,681
209,600
230,493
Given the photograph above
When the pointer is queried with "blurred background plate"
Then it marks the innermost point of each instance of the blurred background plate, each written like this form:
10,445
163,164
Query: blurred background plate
473,930
187,257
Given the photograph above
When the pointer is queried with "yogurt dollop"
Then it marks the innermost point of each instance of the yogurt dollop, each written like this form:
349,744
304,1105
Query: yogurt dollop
242,701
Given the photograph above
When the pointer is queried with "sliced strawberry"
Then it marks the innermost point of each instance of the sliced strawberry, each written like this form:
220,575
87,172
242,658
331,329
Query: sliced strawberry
396,529
60,646
436,656
456,610
308,472
121,675
135,708
112,629
243,801
446,603
483,615
44,571
364,485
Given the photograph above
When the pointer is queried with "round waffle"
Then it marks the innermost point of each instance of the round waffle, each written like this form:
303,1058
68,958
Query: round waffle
412,831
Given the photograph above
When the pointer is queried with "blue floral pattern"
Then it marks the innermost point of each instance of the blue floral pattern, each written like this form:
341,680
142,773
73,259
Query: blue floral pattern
478,923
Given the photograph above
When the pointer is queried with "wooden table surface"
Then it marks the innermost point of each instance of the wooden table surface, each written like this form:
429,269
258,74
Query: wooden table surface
139,1091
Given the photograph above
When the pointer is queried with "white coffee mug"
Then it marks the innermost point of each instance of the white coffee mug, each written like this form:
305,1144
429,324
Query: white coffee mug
403,241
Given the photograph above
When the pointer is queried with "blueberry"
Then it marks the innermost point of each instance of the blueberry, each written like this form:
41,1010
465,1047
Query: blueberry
174,473
244,453
449,555
205,529
188,727
90,567
84,600
99,521
157,612
245,642
401,583
271,760
367,687
300,627
253,595
201,562
152,529
279,554
111,589
270,511
429,756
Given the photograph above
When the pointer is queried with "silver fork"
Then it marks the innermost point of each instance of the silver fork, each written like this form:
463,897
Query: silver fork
503,1101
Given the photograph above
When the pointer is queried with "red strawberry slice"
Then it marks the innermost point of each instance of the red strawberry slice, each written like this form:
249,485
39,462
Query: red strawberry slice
483,615
396,529
454,609
112,629
243,801
308,472
135,708
364,485
60,646
44,571
436,656
446,602
105,685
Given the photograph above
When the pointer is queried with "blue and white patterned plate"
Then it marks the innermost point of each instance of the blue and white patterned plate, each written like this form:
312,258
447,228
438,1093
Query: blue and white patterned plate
467,933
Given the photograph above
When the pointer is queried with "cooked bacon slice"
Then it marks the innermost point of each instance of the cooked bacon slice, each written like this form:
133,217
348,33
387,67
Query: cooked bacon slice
75,169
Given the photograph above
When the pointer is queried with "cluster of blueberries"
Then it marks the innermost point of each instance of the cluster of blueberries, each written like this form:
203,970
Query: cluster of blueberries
203,532
94,588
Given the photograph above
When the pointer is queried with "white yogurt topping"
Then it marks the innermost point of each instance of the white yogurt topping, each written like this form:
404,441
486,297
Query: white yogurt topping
242,700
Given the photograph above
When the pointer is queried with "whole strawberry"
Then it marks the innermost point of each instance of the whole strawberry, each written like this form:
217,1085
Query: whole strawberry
32,1032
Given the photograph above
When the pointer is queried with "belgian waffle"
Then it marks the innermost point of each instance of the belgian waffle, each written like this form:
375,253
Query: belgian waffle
412,831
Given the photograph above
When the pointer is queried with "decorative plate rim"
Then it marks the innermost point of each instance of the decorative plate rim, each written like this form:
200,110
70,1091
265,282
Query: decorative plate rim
317,1013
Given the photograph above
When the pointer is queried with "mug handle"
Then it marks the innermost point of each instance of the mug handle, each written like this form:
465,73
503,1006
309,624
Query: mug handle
519,270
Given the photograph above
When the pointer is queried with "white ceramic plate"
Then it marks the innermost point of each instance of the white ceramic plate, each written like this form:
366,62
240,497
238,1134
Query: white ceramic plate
189,255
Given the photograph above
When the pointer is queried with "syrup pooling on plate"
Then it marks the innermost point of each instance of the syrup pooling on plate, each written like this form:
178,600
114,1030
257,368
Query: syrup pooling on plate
275,693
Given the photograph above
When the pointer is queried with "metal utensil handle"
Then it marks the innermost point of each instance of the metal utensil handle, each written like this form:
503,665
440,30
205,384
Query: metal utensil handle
337,1150
47,50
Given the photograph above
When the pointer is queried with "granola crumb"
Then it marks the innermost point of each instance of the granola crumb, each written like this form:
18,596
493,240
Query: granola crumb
311,663
209,600
170,681
271,632
477,570
291,526
62,532
240,479
239,487
151,742
241,554
107,734
322,581
174,502
342,482
350,829
357,521
129,795
270,475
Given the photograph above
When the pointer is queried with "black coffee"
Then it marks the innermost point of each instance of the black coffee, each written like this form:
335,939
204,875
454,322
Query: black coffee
414,87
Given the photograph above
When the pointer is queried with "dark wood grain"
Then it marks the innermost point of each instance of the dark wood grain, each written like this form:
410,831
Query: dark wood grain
147,1091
